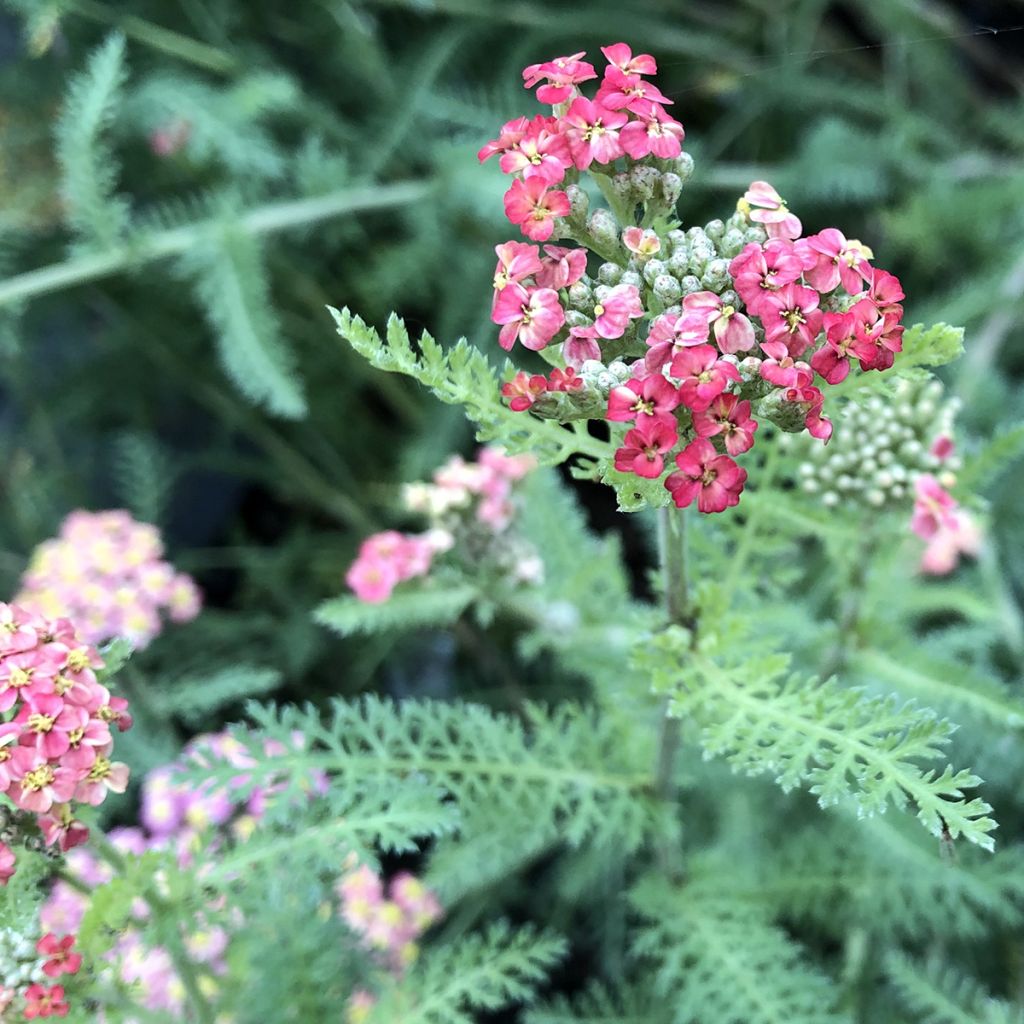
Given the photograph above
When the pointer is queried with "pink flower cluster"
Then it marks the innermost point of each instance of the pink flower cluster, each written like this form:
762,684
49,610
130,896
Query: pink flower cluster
389,925
687,369
464,496
948,530
755,335
55,722
106,572
626,119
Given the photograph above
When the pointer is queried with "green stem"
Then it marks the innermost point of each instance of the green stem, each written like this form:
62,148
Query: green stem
184,967
672,544
158,38
260,221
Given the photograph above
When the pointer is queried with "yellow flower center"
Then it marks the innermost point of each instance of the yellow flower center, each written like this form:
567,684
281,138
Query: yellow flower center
40,723
38,778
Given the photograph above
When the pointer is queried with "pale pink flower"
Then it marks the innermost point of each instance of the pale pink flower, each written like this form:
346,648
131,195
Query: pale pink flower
532,316
619,90
563,74
581,345
621,56
516,262
532,206
733,331
613,313
791,320
652,398
372,580
671,333
653,132
511,133
561,266
542,152
934,508
758,270
835,259
702,376
765,206
593,132
641,242
714,480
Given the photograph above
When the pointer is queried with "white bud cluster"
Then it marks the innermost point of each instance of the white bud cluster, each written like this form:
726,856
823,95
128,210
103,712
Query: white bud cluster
878,448
20,964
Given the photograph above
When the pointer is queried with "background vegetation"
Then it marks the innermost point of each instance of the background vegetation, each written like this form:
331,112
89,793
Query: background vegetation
187,185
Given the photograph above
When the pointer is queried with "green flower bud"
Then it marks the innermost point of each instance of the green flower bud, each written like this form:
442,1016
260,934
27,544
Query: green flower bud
581,297
684,166
603,228
667,289
579,203
691,284
714,229
678,264
631,277
653,269
716,275
676,239
671,187
645,179
609,273
732,243
755,233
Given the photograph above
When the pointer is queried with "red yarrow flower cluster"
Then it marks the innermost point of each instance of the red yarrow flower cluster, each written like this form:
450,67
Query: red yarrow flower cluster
758,337
55,726
626,119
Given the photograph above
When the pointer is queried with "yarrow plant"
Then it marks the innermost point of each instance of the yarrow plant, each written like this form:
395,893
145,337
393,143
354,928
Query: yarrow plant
106,571
688,338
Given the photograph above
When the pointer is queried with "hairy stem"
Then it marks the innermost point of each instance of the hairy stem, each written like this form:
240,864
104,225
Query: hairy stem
259,221
672,544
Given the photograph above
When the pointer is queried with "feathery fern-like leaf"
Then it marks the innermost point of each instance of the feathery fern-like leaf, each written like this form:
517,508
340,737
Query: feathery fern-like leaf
98,217
230,280
407,608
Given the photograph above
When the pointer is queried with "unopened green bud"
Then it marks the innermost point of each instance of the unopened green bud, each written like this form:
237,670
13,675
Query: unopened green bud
645,179
609,273
679,263
576,318
716,275
670,188
667,289
579,203
603,228
676,239
755,233
714,229
631,277
581,297
622,186
684,166
732,243
690,284
653,269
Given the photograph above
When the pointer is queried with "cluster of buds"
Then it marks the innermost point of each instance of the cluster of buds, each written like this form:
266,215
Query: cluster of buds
106,571
882,446
30,969
470,507
712,326
55,733
889,453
